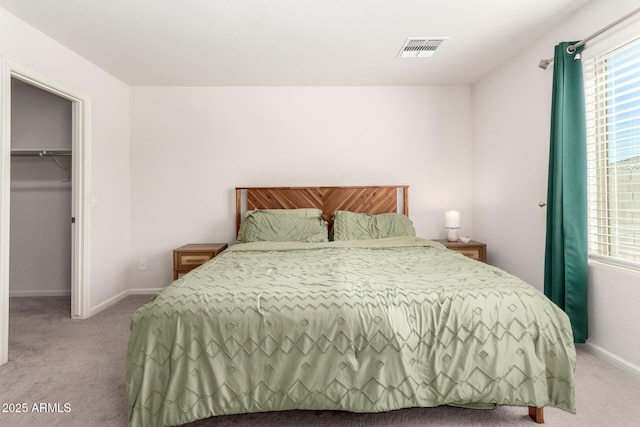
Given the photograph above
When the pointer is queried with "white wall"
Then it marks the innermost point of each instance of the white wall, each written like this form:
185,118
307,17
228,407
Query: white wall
510,150
27,47
40,197
192,146
511,119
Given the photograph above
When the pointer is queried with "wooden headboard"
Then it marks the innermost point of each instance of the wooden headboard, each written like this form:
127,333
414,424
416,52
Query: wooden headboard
363,199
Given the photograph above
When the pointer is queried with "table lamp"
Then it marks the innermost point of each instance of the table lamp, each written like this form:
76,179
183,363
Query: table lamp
452,223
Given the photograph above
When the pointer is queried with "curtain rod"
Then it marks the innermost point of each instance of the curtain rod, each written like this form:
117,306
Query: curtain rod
544,63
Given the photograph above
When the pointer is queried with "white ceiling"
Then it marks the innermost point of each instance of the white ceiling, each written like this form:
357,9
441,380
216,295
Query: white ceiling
292,42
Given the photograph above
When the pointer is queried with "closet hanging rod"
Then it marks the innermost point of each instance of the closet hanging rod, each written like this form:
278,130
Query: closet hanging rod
40,153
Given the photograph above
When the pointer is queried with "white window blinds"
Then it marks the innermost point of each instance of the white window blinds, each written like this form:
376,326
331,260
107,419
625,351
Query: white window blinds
612,90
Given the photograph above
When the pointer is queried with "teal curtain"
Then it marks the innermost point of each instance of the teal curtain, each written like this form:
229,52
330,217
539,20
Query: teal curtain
565,272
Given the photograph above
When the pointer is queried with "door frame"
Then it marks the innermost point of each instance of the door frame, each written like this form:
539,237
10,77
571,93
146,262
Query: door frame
81,150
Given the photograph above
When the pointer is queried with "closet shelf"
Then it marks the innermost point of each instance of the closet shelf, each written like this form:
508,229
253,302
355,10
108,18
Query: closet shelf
40,153
45,153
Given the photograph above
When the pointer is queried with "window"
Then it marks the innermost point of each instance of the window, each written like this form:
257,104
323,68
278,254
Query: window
612,89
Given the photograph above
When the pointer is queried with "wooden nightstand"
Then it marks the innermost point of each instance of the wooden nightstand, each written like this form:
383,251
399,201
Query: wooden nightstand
188,257
473,249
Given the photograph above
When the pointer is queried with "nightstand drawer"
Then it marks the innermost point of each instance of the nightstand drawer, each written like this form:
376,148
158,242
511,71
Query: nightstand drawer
473,249
188,257
191,259
471,253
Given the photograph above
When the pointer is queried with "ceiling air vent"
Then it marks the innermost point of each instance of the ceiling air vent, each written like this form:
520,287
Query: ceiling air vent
420,47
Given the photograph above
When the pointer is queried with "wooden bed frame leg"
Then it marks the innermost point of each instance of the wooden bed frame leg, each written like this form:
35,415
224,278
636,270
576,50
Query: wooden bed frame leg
537,414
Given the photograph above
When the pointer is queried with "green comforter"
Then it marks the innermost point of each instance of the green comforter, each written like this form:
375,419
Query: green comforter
363,326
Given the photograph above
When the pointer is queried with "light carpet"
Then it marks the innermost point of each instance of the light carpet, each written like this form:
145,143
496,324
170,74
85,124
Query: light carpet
76,368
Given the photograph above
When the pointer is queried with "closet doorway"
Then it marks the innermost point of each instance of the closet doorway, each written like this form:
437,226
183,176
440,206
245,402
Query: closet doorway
63,171
41,210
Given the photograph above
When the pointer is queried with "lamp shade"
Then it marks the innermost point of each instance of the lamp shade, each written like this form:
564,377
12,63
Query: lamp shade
452,219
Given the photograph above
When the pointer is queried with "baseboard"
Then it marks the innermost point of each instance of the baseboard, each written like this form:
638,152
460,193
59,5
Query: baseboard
612,358
40,293
122,295
108,303
145,291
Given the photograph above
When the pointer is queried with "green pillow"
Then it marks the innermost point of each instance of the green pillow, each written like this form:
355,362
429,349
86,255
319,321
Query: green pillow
362,226
283,225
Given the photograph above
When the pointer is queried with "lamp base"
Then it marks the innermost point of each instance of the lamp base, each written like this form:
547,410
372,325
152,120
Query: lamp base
452,235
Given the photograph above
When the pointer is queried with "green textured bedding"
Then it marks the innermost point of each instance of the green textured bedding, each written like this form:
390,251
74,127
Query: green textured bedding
362,326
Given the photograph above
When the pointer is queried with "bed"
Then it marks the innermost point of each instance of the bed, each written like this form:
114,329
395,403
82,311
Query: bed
374,320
